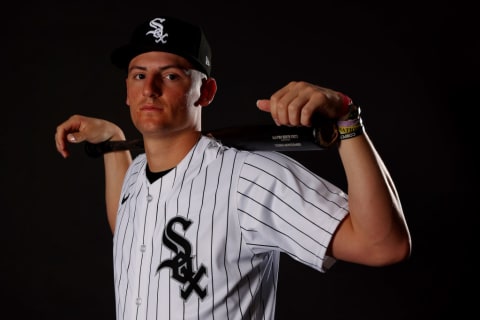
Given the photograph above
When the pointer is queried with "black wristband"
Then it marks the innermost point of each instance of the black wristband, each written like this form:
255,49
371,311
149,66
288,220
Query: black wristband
353,134
95,150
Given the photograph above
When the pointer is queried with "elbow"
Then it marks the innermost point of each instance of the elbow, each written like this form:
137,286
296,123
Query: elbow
400,253
405,248
396,252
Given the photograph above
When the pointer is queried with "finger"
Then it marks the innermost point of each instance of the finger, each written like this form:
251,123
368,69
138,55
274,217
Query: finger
289,108
61,148
263,104
289,102
66,133
61,145
75,137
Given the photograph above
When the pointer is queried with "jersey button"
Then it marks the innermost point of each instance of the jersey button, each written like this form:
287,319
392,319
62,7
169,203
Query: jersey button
143,248
149,198
138,301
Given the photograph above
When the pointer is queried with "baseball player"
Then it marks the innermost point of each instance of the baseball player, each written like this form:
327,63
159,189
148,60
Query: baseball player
199,226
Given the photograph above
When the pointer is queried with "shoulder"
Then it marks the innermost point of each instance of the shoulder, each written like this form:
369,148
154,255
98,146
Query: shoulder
271,159
137,164
139,159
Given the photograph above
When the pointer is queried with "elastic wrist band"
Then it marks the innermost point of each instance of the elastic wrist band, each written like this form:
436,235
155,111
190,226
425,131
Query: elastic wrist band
345,130
353,134
349,123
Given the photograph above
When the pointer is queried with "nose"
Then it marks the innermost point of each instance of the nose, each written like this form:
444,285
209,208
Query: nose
151,87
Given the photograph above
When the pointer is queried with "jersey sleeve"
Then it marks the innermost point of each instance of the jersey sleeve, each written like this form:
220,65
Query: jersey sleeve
284,206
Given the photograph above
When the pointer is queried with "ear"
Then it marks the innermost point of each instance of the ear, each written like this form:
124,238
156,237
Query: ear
127,102
207,92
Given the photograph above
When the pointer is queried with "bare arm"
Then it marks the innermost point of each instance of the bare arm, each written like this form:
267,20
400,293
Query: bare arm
375,231
79,129
116,165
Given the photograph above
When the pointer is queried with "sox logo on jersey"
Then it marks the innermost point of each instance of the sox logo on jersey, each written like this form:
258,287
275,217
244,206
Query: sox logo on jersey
181,264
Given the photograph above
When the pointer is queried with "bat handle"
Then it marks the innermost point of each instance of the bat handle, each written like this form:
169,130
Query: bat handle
95,150
325,131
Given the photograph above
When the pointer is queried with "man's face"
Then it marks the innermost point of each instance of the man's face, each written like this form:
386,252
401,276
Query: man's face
162,89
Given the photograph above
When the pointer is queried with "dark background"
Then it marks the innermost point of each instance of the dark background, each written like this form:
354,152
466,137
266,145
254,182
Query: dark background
411,65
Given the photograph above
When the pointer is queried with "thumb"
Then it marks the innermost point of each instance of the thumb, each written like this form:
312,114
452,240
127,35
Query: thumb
263,104
75,137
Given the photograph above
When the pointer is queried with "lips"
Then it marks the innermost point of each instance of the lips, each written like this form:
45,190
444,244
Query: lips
151,108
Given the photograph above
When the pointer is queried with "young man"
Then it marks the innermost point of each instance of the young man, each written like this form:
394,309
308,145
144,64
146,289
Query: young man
199,226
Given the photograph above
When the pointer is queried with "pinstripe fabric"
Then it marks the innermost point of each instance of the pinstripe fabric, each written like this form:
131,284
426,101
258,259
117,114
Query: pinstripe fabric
204,241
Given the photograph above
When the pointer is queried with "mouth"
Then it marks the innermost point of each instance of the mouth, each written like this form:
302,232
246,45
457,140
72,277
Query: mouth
151,107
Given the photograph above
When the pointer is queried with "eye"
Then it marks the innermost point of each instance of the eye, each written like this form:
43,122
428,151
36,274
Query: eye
139,76
171,76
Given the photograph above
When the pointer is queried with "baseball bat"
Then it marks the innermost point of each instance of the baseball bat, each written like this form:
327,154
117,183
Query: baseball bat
252,137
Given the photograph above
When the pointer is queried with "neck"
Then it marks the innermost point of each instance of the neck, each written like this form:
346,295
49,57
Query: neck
165,153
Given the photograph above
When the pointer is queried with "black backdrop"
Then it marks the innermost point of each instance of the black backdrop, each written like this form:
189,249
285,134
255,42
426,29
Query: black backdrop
412,65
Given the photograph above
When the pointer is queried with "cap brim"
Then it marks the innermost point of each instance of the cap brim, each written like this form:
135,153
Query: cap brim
122,56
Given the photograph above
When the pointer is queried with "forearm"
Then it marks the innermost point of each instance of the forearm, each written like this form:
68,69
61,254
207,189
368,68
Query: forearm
376,219
116,165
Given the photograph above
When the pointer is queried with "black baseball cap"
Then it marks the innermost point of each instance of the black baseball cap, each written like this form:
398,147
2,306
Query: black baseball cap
167,34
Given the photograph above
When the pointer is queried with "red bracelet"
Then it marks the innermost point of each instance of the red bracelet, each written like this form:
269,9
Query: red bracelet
346,104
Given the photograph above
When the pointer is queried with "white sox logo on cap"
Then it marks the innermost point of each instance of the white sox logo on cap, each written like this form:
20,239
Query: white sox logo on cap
167,34
157,32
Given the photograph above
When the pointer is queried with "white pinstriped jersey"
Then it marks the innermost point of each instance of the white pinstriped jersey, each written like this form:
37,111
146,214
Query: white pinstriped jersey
204,241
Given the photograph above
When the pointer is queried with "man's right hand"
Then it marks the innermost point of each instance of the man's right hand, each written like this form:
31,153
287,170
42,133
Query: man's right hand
80,128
